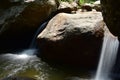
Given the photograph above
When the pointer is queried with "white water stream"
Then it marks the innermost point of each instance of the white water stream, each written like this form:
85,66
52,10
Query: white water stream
33,43
108,57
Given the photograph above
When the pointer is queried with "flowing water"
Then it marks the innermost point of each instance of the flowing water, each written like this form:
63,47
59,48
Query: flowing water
33,43
26,64
108,57
22,64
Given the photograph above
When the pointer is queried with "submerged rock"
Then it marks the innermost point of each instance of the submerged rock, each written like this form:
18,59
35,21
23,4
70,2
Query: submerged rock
18,78
72,39
20,18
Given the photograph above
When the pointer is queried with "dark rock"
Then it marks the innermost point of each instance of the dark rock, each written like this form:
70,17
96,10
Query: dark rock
72,39
111,14
19,21
86,7
18,78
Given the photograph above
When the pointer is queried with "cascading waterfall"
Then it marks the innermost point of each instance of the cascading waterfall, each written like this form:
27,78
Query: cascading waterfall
33,43
23,60
108,56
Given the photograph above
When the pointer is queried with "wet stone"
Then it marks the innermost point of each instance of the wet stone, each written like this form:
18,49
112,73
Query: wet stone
18,78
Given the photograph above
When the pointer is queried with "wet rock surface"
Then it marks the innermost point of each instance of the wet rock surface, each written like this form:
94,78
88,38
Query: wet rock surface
18,78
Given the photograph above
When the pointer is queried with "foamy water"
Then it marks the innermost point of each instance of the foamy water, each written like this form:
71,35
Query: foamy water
18,64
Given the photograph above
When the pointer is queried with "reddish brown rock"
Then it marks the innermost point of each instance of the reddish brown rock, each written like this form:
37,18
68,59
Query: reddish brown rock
72,39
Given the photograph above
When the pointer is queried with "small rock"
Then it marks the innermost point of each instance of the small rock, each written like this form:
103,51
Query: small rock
86,7
67,7
97,6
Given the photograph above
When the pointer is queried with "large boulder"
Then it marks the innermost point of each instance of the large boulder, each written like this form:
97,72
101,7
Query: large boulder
20,18
111,14
72,39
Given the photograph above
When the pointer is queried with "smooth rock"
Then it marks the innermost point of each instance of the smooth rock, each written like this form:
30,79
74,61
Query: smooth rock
72,39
